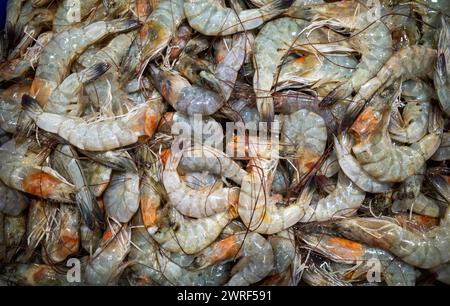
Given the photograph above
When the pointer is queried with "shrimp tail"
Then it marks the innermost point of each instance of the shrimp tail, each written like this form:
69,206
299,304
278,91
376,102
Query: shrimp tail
276,7
31,107
335,95
94,72
353,110
124,25
89,209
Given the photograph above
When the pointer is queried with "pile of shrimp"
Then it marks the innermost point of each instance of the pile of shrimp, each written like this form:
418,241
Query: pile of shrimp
102,182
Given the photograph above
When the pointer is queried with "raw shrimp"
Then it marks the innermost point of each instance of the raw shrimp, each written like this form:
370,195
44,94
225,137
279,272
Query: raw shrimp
257,258
66,161
371,38
412,124
190,202
12,202
395,272
97,176
121,198
420,204
283,245
274,41
65,99
442,71
408,63
345,199
106,264
305,136
184,97
100,135
190,236
24,174
211,18
353,170
376,152
423,250
64,238
154,36
60,52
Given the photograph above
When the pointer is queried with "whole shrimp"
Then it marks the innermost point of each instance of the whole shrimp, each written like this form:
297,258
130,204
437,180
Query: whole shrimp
375,151
154,36
24,174
305,136
408,63
184,97
190,236
64,238
257,258
60,52
190,202
274,41
442,71
371,38
99,135
66,161
121,198
423,250
395,272
106,264
211,18
412,124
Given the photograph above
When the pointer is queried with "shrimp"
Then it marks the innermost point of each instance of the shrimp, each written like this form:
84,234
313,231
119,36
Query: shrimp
66,161
100,135
412,124
408,63
64,238
121,198
184,97
60,52
65,98
153,265
283,245
97,176
22,173
195,203
395,272
442,71
371,38
344,200
375,151
10,106
12,202
181,38
154,36
305,136
423,250
275,39
211,18
106,264
420,204
190,236
257,258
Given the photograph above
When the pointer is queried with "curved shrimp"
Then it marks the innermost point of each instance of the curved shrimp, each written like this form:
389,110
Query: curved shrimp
442,71
408,63
195,203
154,36
121,198
274,40
395,272
99,135
65,98
305,136
423,250
60,52
211,18
371,38
190,236
257,258
66,161
412,124
376,152
106,264
184,97
64,238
